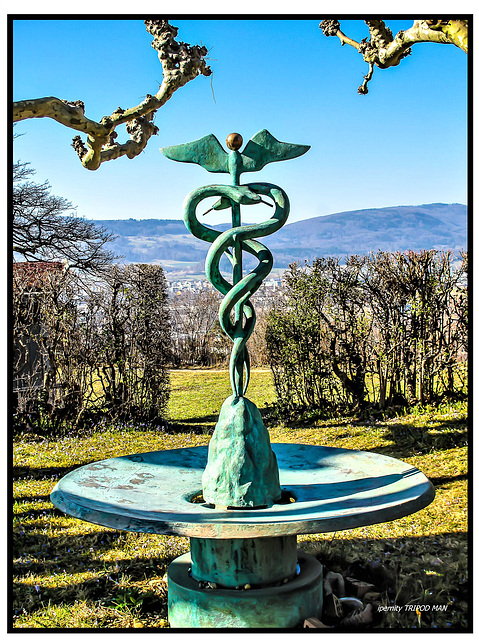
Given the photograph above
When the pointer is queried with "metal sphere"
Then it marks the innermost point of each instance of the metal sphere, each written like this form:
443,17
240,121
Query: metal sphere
234,141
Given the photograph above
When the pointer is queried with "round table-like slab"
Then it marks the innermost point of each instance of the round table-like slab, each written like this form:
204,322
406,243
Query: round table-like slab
334,489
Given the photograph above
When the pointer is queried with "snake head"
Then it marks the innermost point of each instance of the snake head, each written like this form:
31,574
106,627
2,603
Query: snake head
239,195
246,196
222,203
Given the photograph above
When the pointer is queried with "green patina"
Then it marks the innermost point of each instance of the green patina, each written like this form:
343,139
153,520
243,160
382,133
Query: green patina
262,149
234,563
276,606
242,470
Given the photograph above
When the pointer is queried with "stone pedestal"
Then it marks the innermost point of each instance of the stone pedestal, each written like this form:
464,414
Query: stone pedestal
242,470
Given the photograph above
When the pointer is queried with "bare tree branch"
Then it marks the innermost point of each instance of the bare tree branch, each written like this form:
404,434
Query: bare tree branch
384,50
181,63
44,227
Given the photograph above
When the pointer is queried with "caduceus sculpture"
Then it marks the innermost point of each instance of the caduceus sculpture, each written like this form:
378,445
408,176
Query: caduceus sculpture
242,470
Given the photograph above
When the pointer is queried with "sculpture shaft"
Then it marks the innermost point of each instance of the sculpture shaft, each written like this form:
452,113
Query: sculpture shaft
237,277
262,149
242,470
232,243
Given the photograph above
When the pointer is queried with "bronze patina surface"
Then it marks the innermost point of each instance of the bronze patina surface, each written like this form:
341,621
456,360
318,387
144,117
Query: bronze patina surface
241,469
276,606
333,488
234,562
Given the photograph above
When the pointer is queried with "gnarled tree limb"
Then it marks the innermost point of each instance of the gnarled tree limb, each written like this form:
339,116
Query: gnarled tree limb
181,63
384,50
45,227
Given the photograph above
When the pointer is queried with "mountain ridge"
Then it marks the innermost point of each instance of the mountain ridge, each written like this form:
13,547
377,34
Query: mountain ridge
398,228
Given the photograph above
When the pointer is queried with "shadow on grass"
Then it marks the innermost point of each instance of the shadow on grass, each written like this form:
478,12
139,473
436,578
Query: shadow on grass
443,480
21,472
427,570
40,556
200,425
34,498
103,590
409,439
203,424
43,554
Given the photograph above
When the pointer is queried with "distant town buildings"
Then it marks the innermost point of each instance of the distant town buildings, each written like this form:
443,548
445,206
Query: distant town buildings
178,286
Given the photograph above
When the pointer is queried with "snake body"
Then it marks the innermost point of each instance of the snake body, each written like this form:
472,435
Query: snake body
236,295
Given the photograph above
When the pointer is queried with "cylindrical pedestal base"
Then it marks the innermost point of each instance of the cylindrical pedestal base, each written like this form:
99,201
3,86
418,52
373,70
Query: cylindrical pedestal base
230,563
283,606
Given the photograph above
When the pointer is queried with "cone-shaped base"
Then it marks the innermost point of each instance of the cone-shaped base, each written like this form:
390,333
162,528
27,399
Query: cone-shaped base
242,470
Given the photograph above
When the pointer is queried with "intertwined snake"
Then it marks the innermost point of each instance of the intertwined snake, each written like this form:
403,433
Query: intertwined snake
260,150
237,296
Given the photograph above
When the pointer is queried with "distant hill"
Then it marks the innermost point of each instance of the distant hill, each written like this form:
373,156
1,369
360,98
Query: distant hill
428,226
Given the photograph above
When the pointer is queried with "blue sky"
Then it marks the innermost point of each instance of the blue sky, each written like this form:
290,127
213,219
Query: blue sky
404,143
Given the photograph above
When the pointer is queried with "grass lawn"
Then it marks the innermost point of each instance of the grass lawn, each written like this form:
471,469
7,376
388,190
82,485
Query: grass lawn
71,574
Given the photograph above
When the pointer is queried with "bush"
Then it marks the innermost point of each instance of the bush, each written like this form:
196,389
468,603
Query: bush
88,349
379,330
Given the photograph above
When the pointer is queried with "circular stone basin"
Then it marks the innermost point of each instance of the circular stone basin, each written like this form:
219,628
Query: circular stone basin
334,489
